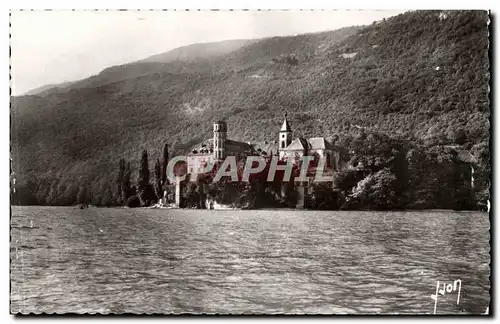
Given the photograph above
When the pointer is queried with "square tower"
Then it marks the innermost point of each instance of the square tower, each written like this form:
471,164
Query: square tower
220,136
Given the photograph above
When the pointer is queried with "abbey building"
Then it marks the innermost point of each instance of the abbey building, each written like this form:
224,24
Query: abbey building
217,148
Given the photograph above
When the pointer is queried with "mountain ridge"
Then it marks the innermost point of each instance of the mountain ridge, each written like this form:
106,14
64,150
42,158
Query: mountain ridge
197,51
191,52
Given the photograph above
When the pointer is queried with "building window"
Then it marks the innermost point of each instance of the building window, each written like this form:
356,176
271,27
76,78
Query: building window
282,144
282,135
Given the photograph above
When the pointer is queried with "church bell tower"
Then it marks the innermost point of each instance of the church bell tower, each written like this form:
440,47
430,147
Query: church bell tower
220,135
285,134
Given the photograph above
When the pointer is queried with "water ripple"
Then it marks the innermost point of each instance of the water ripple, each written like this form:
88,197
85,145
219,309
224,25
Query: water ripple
246,262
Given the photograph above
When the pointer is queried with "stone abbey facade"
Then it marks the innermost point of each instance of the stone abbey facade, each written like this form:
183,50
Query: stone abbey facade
219,147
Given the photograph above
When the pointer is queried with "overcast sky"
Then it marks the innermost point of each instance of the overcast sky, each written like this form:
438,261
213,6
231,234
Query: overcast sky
50,47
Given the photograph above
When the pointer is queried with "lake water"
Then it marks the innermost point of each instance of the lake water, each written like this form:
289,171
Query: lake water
65,259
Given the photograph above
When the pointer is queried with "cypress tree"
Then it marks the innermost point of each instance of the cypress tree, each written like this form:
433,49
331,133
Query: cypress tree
83,195
158,181
145,190
164,163
119,180
126,184
143,180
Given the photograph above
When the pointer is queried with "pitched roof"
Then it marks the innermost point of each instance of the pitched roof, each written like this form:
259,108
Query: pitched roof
285,127
313,143
463,155
466,156
207,146
319,143
298,144
203,147
240,145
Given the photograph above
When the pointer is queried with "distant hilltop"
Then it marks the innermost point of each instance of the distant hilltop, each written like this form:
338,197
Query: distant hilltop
199,51
46,89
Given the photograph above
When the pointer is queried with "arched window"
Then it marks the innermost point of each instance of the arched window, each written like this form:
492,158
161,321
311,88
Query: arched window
282,144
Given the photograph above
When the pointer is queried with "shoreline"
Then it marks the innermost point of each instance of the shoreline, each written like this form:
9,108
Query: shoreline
270,209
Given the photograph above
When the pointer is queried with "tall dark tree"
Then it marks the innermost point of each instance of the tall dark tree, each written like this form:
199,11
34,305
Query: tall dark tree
119,180
145,190
164,163
163,185
126,190
158,182
143,171
82,197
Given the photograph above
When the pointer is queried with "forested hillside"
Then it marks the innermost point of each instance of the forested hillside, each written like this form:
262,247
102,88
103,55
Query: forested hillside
422,76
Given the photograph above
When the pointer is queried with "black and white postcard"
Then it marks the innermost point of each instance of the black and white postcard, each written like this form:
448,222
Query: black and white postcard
252,162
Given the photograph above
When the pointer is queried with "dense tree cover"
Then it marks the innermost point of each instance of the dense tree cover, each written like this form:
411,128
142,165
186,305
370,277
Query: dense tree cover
376,191
421,76
238,192
393,173
133,202
324,196
382,173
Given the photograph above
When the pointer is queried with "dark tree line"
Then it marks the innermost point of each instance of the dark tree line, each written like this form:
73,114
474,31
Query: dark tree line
144,193
380,172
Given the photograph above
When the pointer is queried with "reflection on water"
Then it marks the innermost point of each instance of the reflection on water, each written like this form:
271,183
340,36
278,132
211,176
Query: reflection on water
208,261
